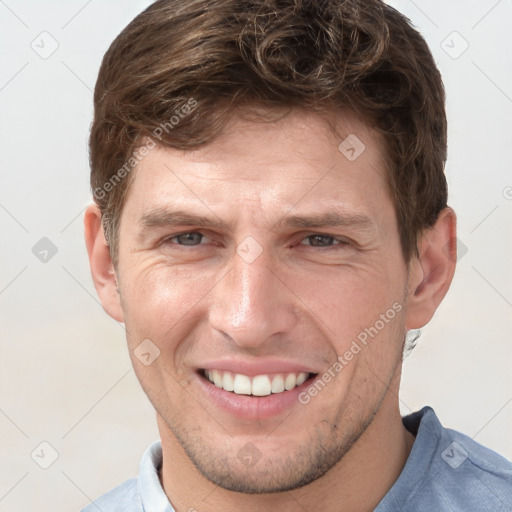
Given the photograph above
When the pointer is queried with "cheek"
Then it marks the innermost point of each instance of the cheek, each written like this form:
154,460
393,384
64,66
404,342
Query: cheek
158,299
348,301
164,306
361,313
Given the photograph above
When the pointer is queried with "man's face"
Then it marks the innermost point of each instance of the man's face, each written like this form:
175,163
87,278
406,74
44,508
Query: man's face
266,253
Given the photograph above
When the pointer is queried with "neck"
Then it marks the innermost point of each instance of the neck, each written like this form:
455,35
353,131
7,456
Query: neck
356,484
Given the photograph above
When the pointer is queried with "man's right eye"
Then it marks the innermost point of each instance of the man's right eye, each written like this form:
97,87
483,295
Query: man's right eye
191,238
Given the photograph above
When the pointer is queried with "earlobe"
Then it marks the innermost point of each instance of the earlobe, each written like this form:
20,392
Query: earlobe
431,274
102,267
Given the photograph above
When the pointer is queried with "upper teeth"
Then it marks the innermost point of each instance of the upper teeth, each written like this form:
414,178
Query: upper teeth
260,385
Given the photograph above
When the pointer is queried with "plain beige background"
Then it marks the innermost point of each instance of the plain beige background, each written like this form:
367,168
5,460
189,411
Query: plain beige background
66,378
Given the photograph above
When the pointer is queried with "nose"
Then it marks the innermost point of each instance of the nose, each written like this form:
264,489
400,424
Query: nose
252,303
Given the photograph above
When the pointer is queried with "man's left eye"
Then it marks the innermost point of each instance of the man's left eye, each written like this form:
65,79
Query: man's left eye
322,241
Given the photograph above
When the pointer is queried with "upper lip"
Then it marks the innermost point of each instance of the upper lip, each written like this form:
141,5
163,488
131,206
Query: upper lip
257,367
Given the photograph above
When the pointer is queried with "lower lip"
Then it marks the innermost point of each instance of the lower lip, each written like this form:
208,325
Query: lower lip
249,406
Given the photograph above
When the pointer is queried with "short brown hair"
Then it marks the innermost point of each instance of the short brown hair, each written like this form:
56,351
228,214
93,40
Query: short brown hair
219,55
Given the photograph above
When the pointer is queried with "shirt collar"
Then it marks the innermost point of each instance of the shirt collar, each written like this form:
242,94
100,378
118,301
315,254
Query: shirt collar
153,496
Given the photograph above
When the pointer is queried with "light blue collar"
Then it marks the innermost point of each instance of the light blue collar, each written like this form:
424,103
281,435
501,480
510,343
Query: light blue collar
153,496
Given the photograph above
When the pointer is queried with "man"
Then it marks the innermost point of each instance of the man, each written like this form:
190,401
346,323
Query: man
270,221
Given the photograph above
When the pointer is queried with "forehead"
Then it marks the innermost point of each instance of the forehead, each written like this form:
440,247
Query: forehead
295,139
298,160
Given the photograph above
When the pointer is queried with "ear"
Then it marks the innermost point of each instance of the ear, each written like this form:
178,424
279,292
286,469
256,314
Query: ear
102,268
431,274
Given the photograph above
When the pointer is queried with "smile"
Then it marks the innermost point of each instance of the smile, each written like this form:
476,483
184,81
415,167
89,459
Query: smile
259,385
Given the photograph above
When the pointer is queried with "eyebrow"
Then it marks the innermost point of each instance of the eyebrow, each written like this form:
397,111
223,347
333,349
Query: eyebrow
328,219
160,217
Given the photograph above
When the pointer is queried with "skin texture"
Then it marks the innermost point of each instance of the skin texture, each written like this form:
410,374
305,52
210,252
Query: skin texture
304,299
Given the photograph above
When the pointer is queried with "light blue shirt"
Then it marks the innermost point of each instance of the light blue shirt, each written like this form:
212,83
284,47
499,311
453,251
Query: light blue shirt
446,472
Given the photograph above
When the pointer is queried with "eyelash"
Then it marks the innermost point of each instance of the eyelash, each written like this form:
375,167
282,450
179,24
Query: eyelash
169,239
340,242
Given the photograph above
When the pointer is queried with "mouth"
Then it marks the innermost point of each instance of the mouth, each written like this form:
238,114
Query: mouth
257,385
